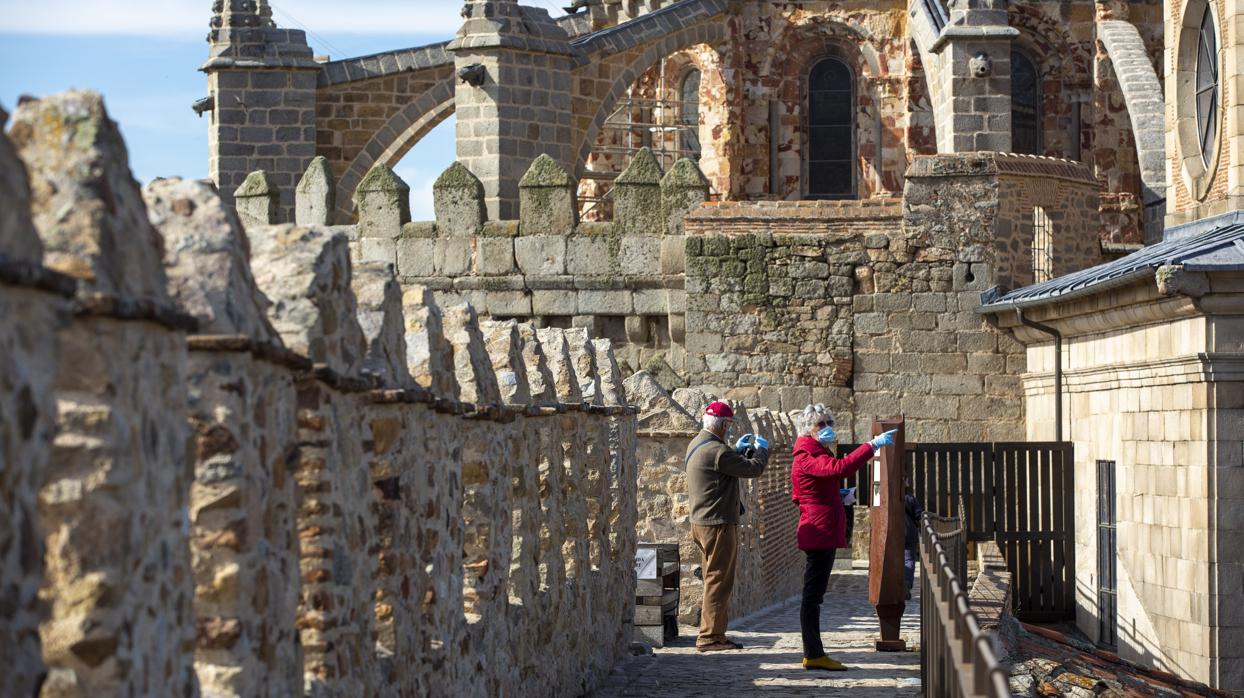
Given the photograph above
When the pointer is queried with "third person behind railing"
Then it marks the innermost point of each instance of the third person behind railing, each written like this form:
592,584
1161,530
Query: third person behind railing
816,479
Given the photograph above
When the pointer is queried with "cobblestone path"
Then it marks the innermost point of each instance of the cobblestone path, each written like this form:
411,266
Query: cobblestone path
769,663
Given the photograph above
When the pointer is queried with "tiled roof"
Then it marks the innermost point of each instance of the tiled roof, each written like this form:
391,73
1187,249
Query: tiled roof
1215,244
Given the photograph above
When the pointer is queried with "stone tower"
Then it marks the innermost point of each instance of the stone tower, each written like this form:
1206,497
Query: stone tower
261,81
975,103
513,96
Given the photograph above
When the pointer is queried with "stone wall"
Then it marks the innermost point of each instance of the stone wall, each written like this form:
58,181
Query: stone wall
287,475
621,280
769,567
1154,384
869,306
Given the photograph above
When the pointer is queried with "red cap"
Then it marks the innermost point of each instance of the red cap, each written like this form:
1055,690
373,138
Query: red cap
719,409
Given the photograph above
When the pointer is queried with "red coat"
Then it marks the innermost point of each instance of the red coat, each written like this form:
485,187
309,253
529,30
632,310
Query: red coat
816,478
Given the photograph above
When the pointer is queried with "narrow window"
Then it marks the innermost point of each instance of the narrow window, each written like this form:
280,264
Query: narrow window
1042,246
689,114
1025,105
831,132
1207,87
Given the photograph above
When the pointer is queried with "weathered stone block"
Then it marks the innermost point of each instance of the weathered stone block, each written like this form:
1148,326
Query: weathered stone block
494,256
547,202
683,189
673,255
383,203
588,256
651,301
377,250
415,257
458,200
541,255
639,255
452,256
315,198
257,200
545,303
507,303
605,302
637,205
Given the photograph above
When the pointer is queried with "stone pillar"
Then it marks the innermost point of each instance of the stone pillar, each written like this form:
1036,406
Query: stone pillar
316,195
257,200
458,200
637,202
382,200
683,189
974,109
241,409
513,96
261,83
547,195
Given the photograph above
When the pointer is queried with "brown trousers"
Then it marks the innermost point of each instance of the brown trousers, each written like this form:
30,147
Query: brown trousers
719,549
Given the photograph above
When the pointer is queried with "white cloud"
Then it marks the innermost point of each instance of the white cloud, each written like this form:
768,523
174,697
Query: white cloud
183,17
420,183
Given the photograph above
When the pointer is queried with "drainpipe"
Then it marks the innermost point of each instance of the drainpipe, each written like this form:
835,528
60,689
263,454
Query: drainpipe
1058,368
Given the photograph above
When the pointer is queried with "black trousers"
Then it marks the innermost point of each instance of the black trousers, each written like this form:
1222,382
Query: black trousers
815,581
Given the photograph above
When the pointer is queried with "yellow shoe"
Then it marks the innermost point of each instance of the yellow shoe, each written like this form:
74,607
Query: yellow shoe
823,664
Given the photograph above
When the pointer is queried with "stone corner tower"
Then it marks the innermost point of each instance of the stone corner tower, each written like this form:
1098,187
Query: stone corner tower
975,104
261,82
513,96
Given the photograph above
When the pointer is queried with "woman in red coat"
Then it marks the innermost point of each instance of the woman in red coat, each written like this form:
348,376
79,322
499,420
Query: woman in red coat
816,478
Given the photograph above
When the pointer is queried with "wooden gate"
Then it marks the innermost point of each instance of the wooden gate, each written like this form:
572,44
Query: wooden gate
1021,495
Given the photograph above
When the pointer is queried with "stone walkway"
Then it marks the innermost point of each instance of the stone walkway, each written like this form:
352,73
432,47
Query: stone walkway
769,664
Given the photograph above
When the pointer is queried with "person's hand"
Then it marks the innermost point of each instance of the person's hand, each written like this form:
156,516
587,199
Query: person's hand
883,439
744,442
762,443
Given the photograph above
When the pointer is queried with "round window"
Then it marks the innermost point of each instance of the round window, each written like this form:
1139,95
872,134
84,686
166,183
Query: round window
1207,87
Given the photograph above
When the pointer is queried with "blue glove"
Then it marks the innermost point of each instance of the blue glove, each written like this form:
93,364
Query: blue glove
762,443
883,439
744,442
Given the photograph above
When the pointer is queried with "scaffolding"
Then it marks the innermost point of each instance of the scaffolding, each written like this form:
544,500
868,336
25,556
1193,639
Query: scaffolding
667,125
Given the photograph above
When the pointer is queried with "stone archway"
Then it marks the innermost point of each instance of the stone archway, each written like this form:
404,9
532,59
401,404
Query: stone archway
400,133
623,55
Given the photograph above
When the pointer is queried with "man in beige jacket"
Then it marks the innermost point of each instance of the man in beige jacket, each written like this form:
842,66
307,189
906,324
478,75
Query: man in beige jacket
713,472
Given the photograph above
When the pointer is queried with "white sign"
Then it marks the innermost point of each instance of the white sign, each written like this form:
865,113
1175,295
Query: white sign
646,564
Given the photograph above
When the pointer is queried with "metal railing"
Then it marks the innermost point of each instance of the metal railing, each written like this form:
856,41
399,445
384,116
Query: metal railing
957,658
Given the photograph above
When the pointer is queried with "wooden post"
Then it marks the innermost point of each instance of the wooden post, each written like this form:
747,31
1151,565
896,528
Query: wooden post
886,589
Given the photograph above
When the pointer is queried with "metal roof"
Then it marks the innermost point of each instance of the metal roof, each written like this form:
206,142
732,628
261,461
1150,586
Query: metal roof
1215,244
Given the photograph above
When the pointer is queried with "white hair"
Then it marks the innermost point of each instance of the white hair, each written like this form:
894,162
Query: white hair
813,414
714,423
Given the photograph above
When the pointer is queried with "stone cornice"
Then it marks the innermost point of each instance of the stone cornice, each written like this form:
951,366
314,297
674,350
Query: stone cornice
1211,367
959,32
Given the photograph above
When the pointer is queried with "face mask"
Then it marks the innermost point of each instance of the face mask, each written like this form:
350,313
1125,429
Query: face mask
826,435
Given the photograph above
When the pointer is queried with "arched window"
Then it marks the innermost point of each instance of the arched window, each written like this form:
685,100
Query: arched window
1207,87
1042,246
831,131
689,113
1025,105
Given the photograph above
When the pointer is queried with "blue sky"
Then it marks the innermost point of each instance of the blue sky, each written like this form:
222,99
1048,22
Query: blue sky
144,57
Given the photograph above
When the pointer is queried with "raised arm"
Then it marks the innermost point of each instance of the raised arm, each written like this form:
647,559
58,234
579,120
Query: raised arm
827,466
736,464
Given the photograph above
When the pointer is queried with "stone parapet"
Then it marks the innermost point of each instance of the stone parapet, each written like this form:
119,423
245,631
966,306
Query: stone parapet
769,568
264,480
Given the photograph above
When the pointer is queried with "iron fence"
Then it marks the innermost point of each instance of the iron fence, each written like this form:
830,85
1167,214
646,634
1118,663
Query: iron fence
957,658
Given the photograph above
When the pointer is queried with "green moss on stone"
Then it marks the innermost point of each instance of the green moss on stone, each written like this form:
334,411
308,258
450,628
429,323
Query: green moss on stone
257,183
382,178
685,174
545,172
457,176
644,169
